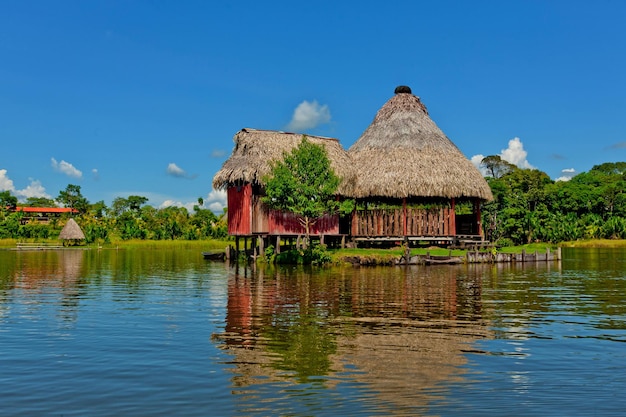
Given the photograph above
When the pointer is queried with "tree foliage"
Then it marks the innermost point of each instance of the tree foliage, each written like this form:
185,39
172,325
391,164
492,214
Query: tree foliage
496,166
528,206
73,198
303,183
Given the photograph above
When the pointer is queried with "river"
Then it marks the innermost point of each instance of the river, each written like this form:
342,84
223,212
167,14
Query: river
161,332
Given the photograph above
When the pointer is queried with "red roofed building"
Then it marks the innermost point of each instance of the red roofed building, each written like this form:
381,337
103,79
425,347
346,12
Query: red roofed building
43,214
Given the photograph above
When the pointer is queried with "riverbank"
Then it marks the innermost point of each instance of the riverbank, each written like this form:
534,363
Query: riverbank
435,255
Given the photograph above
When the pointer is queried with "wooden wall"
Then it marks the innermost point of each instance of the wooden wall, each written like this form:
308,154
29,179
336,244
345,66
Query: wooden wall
240,210
391,222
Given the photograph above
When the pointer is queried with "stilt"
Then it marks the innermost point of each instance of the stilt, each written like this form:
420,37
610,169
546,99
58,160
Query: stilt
261,244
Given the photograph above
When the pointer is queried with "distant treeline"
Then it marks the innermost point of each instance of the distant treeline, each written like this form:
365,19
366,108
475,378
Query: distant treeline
127,218
528,207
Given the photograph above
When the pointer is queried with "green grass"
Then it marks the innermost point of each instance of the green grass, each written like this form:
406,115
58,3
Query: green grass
596,243
202,245
8,243
383,255
529,248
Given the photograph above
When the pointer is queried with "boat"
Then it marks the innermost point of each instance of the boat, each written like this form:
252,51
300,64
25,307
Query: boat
214,255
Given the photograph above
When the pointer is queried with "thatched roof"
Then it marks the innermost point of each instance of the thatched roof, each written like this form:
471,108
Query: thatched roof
404,154
255,150
71,231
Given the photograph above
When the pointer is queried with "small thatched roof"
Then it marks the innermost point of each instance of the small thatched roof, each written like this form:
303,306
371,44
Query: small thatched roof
71,231
404,154
255,150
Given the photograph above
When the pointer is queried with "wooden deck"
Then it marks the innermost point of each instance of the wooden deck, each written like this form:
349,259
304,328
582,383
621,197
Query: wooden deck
39,246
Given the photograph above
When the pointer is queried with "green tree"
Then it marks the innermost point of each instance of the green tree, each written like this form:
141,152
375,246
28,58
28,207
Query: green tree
7,201
72,197
203,222
496,166
303,183
133,204
40,202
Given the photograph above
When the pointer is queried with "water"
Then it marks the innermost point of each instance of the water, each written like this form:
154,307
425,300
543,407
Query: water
155,332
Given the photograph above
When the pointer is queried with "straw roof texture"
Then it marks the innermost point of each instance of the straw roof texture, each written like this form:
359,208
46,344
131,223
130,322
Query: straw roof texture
71,231
255,150
404,154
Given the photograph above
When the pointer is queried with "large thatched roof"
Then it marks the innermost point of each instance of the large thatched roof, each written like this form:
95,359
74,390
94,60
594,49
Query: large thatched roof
255,150
404,154
71,231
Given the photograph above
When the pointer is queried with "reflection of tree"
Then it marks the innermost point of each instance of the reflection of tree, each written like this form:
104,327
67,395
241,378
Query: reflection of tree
303,344
49,272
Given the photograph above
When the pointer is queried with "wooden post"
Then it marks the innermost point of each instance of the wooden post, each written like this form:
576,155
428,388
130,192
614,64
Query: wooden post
404,216
453,217
478,220
277,251
261,245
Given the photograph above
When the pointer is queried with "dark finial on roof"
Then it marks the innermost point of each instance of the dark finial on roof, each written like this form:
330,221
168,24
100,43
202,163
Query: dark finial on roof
403,89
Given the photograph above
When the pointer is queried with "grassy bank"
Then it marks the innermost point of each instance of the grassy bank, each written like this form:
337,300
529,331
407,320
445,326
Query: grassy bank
200,245
595,243
387,255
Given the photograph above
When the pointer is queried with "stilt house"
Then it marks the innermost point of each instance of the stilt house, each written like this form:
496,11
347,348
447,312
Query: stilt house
412,181
409,180
242,177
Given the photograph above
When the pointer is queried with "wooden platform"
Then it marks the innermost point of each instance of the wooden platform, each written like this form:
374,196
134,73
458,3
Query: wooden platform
39,246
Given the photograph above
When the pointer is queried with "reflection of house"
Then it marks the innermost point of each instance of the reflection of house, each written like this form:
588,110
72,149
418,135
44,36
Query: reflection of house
408,179
397,332
42,214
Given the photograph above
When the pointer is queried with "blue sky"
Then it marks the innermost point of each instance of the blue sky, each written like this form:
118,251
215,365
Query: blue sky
144,97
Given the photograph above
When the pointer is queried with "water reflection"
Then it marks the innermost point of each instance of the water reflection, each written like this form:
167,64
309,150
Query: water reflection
131,330
398,332
38,275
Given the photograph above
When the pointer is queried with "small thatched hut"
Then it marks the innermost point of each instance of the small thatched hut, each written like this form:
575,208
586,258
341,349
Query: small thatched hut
404,159
242,177
72,232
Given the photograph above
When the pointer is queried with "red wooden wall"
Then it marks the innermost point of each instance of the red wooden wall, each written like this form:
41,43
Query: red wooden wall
247,216
240,210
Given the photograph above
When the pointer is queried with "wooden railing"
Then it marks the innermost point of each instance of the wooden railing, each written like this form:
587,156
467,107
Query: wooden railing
393,222
38,246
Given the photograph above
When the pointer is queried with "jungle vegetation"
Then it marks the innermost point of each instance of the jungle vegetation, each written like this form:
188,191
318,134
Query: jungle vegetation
528,207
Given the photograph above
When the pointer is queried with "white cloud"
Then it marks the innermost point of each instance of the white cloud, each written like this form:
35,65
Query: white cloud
95,174
309,115
216,201
6,183
34,189
175,171
568,173
66,168
172,203
476,160
515,154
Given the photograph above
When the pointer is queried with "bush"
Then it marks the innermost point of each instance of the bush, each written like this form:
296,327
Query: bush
315,255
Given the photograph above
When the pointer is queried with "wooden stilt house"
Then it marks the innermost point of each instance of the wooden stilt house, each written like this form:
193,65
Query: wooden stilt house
242,177
412,181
